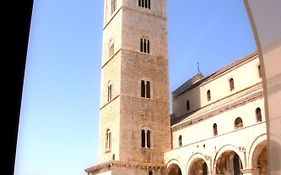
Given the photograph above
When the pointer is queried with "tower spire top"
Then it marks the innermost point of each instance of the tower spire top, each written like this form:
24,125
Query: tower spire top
198,68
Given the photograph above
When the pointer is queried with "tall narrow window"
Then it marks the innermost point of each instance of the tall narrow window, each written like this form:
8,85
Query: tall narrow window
143,138
113,5
109,91
258,115
208,95
108,140
215,129
180,141
142,88
145,89
141,45
259,70
144,45
150,173
144,3
231,84
147,45
148,139
187,105
238,123
111,48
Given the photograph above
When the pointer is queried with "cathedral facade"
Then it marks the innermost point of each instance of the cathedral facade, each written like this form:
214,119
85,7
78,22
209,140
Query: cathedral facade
217,125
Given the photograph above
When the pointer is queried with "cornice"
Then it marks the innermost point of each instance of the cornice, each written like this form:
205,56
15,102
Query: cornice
106,166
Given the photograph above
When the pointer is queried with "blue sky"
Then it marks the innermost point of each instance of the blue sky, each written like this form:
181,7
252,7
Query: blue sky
58,130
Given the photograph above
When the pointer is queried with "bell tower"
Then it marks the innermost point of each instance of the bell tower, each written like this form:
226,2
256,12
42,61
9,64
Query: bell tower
134,123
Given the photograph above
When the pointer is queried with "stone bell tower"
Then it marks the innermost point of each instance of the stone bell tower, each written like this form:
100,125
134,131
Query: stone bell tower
134,128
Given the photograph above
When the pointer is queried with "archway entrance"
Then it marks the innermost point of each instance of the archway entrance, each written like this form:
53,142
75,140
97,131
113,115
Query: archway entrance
259,161
174,169
229,163
198,167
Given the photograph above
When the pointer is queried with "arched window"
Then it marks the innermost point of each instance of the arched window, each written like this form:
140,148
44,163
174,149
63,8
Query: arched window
187,105
142,88
231,84
148,139
145,89
215,129
208,95
144,45
180,141
111,48
238,123
141,45
145,138
259,70
150,173
258,115
112,6
109,91
144,3
108,140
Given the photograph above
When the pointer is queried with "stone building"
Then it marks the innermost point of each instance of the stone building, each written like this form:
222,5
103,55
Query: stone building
217,125
218,122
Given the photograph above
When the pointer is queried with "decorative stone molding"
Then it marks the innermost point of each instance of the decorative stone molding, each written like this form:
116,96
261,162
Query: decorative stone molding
108,165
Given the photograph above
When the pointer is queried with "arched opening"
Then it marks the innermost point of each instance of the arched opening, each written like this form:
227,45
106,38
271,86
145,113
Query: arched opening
259,160
258,115
174,169
208,95
259,70
109,91
215,129
231,84
108,140
229,163
238,123
198,167
180,141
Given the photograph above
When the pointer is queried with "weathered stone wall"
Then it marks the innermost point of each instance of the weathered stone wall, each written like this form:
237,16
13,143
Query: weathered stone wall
127,113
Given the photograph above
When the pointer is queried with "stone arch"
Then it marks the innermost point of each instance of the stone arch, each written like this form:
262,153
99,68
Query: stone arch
258,155
198,165
173,167
229,160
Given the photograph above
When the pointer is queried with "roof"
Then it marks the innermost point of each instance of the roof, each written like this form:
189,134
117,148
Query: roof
189,84
198,78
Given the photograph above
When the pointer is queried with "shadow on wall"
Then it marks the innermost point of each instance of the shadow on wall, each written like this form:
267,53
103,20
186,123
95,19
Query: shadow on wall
186,99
